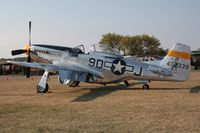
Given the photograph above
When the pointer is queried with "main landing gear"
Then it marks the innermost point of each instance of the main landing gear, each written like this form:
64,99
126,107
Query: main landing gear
42,86
73,83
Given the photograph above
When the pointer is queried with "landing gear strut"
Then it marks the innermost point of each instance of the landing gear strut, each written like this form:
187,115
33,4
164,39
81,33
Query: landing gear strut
145,87
42,86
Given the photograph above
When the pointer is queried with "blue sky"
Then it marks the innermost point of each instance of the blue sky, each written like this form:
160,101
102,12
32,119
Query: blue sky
74,22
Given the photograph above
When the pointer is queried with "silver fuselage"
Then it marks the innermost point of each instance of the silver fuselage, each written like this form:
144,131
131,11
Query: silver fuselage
114,68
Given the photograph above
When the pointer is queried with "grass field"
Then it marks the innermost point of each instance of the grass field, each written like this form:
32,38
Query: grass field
166,107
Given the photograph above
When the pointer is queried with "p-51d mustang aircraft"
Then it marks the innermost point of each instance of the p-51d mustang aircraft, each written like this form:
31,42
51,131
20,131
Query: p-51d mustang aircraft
103,65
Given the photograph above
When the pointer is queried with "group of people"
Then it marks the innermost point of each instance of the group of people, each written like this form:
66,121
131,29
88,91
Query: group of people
195,61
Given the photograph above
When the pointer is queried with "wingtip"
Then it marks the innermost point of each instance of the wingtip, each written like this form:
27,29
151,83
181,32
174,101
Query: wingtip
8,61
11,62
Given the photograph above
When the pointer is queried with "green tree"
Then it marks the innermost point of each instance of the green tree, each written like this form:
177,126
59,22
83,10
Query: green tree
124,43
150,45
112,39
140,45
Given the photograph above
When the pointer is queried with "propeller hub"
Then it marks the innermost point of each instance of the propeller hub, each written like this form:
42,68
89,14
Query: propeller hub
27,48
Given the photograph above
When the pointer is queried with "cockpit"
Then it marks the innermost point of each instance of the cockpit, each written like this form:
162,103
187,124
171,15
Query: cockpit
79,49
102,48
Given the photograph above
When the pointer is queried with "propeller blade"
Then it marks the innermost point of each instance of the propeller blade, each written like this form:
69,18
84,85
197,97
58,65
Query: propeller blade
28,72
29,32
29,58
28,69
19,51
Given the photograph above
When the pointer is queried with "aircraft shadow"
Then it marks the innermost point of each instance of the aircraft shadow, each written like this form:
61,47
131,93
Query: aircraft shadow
165,89
195,89
17,94
105,90
97,92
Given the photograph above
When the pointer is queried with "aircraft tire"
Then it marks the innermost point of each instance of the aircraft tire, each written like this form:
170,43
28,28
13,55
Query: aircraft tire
41,89
74,83
145,87
60,80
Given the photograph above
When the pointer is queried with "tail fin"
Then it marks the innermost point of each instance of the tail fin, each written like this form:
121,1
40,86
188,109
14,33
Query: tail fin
178,60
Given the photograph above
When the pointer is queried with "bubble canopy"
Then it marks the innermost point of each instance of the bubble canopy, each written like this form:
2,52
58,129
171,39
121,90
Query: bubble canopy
103,48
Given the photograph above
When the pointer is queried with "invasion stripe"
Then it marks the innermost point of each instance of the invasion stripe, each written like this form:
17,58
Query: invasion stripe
178,54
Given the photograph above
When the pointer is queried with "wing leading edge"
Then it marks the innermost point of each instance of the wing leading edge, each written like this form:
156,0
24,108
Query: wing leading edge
52,67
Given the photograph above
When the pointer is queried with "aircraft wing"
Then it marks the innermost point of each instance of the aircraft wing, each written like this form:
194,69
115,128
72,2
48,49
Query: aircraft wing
53,67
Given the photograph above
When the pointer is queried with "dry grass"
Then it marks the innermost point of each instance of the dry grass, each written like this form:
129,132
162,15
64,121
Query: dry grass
167,107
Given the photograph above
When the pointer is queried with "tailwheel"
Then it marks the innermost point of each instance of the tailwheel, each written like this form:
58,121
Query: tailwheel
126,83
40,89
145,87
